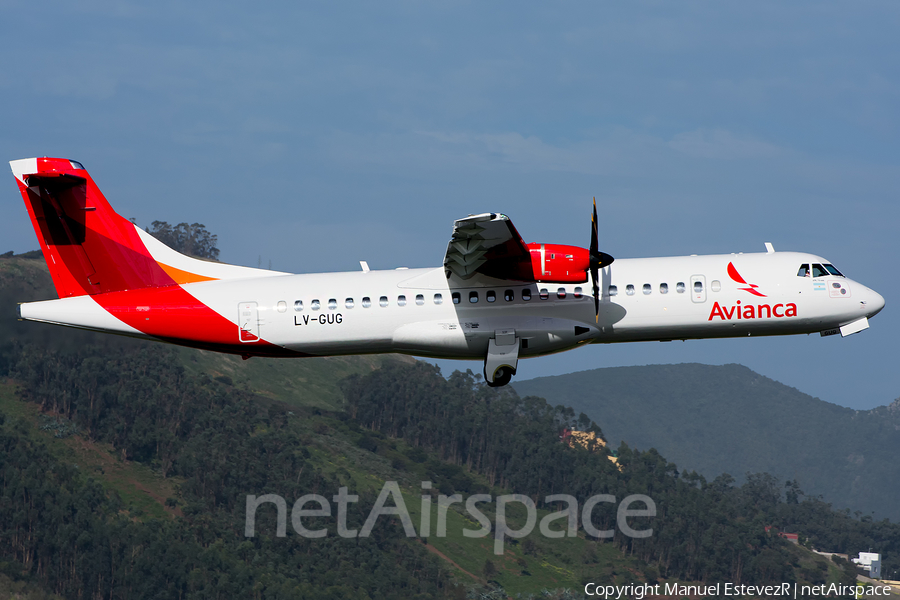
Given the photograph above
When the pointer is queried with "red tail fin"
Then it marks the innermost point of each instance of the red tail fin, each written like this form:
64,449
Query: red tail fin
88,247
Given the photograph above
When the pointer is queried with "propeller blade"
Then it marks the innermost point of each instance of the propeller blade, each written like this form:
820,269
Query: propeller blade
595,274
598,260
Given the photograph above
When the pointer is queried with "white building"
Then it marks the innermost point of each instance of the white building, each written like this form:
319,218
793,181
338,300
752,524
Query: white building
871,562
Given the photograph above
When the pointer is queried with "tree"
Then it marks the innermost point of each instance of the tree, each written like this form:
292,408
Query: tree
193,240
489,571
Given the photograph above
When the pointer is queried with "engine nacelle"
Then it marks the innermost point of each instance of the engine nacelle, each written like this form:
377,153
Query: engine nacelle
557,263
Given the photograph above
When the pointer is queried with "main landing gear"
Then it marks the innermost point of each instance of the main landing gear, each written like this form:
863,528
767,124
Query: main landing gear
502,358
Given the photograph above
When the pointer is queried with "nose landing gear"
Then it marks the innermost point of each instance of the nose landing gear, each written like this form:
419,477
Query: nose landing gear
502,358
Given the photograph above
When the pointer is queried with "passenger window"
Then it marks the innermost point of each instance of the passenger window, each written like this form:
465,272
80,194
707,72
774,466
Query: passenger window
819,271
577,293
509,295
366,302
314,305
698,286
544,293
491,296
332,303
613,290
629,290
473,297
715,285
679,287
804,271
455,297
281,306
647,289
298,305
420,299
401,300
526,294
561,293
664,288
383,301
438,299
348,302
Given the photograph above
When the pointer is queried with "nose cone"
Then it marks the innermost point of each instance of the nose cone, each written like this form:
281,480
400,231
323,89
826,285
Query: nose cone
874,303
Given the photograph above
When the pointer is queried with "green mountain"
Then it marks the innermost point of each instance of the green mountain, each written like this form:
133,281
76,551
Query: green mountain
728,419
125,467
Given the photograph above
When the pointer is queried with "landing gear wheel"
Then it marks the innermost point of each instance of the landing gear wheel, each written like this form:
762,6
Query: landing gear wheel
502,376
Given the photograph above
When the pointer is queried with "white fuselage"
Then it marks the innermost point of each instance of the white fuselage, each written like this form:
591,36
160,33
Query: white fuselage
421,312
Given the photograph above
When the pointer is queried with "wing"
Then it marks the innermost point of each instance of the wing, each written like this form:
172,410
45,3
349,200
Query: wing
488,244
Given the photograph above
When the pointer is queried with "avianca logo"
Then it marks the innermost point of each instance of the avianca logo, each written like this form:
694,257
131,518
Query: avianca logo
736,277
749,311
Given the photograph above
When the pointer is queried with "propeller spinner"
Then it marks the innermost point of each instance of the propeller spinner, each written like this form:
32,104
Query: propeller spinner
598,260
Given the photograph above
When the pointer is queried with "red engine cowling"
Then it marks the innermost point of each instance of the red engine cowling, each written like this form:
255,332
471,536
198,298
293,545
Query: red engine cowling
557,263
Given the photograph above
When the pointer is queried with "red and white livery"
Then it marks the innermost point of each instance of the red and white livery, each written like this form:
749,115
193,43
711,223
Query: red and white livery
495,298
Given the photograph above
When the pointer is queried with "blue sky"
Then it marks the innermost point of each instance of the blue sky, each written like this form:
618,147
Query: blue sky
313,135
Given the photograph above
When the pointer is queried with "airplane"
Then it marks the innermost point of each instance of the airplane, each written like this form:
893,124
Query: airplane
495,298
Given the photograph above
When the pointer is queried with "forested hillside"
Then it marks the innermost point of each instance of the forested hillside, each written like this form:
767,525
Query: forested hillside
706,530
728,419
124,474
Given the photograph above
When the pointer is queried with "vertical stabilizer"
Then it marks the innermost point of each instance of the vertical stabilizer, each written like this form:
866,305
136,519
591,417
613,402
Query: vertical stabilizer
92,250
88,247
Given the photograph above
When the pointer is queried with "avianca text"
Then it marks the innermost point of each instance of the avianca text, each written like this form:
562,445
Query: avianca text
749,311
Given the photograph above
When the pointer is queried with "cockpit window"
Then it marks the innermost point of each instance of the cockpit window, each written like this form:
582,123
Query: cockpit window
804,271
819,271
831,269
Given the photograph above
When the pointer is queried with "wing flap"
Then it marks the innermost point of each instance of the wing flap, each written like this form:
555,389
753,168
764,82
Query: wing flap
487,244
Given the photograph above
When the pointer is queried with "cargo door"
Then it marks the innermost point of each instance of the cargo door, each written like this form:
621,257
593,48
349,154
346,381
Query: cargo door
698,288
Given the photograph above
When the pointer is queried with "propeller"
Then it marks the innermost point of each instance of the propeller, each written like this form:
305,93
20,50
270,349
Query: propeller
598,260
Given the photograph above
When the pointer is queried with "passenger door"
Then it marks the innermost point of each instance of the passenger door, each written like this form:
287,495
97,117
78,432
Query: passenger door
248,322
